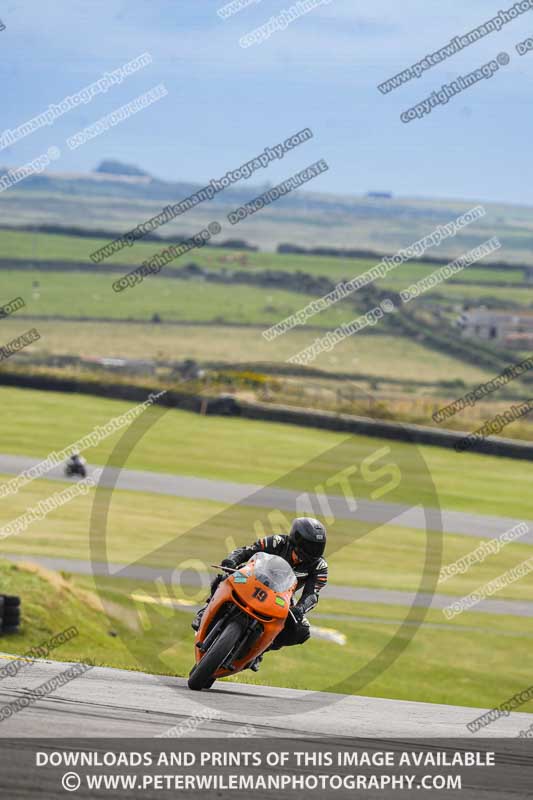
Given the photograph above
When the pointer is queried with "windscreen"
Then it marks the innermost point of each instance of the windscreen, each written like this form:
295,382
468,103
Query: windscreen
274,572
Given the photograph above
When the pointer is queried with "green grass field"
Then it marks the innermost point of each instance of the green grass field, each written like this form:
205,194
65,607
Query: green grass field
49,247
440,665
476,659
395,357
446,662
227,320
329,220
158,531
478,295
246,451
54,605
80,294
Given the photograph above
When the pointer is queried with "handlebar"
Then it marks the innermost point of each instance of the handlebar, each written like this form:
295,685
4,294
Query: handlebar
230,569
227,569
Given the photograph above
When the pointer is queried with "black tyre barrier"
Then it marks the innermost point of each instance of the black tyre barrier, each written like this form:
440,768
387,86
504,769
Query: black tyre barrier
9,613
11,601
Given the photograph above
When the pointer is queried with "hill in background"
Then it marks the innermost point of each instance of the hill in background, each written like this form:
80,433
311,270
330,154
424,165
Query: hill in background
117,197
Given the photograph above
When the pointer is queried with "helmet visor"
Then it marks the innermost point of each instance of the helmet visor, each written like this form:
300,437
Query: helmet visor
307,550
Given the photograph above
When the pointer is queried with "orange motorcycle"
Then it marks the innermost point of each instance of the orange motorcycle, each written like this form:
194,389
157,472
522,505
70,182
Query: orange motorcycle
247,611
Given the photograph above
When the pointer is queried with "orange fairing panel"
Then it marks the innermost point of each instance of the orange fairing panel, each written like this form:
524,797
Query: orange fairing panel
258,601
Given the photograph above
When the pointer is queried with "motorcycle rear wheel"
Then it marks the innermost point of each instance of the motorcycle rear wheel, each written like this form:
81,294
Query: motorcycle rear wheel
201,675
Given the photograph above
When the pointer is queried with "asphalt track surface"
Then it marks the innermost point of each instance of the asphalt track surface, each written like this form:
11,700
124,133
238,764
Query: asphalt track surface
457,522
116,703
390,597
105,702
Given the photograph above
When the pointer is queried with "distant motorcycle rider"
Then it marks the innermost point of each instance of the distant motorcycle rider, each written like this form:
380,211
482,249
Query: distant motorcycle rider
76,465
303,549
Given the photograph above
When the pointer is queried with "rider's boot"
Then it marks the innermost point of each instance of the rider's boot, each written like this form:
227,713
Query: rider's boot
256,663
195,624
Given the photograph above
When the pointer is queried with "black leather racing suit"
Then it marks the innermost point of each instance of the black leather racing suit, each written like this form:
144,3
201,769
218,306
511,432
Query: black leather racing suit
312,577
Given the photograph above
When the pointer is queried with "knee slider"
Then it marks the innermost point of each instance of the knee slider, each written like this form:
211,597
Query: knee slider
303,633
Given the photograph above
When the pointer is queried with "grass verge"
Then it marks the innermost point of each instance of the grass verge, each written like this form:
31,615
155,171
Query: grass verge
248,451
480,661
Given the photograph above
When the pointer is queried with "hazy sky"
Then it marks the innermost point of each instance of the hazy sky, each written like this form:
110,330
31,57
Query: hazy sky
226,103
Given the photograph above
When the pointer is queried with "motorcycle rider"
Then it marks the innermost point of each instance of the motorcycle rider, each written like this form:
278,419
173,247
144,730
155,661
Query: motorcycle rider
76,463
303,549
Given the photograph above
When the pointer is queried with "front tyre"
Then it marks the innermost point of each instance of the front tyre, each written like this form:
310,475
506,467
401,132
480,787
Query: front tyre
201,675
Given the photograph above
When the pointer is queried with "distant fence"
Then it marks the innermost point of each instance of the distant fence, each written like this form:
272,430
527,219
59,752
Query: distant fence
405,432
227,405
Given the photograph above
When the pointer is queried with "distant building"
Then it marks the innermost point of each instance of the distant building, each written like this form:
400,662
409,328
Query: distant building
528,274
509,328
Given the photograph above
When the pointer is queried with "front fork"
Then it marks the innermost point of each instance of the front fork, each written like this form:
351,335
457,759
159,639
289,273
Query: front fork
254,629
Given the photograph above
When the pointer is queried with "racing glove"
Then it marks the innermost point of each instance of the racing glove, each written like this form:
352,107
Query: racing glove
298,613
229,562
305,605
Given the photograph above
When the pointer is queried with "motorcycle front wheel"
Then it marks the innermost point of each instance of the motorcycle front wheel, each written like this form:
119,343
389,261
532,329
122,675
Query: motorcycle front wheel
201,675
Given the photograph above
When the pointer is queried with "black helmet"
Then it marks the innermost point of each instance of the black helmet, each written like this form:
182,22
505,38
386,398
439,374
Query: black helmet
308,537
